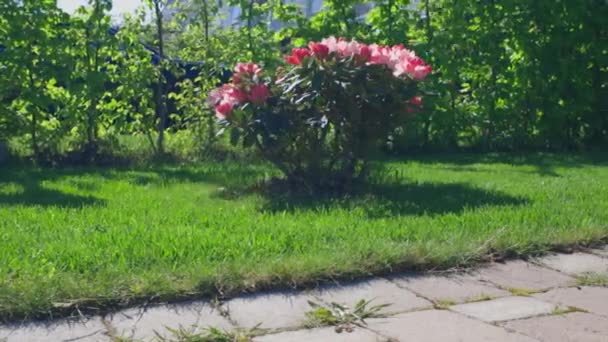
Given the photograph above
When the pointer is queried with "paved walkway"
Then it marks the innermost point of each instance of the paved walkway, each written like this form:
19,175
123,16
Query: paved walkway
560,297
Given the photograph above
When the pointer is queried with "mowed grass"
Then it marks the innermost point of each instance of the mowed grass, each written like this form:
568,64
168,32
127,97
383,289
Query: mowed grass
93,238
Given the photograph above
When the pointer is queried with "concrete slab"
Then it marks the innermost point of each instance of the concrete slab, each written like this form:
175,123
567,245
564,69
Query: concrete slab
572,327
504,309
322,334
456,288
91,330
441,326
575,263
270,310
601,251
146,323
380,291
523,275
592,299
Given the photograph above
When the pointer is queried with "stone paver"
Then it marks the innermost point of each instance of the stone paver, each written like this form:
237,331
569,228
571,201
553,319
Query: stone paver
92,330
504,309
523,275
323,334
592,299
144,324
270,311
575,263
572,327
380,291
456,288
441,326
601,251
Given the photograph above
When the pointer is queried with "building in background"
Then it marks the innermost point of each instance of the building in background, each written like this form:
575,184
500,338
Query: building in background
230,15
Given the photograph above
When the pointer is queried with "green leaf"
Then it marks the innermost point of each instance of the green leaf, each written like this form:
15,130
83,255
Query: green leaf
235,134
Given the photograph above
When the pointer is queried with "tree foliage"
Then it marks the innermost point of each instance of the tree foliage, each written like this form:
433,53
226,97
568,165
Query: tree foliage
509,75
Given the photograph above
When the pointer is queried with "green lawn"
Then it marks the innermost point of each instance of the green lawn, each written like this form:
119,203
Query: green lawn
105,237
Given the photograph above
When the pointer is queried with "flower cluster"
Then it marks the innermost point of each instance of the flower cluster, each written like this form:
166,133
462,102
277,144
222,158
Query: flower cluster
401,61
415,105
246,87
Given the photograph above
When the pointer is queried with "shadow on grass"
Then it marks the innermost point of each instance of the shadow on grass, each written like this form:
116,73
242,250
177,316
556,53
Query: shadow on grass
382,199
387,197
225,175
37,196
28,190
544,164
385,200
26,185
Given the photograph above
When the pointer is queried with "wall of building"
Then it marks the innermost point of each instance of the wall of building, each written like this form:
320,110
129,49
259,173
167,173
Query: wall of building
230,15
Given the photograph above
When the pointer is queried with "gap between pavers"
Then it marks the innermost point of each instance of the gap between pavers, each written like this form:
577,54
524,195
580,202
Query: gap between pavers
288,309
147,323
589,298
575,263
63,330
272,310
456,288
521,275
441,326
505,309
379,291
603,252
571,327
322,334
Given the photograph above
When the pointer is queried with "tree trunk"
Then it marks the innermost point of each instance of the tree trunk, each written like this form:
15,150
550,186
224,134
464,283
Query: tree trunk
34,125
161,109
3,152
206,23
429,29
249,26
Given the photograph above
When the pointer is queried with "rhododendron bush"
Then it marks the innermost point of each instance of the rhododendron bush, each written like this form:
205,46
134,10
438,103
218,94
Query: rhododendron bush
320,117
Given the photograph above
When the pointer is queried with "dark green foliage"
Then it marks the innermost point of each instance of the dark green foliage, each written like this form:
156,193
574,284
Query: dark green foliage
32,73
515,74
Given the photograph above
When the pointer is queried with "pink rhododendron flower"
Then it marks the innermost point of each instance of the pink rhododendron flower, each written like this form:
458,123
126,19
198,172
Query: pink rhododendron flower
418,70
235,94
214,97
416,105
364,53
380,55
237,79
414,67
248,68
331,43
297,56
223,110
361,52
347,48
319,50
247,85
244,73
399,60
224,99
417,101
259,94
